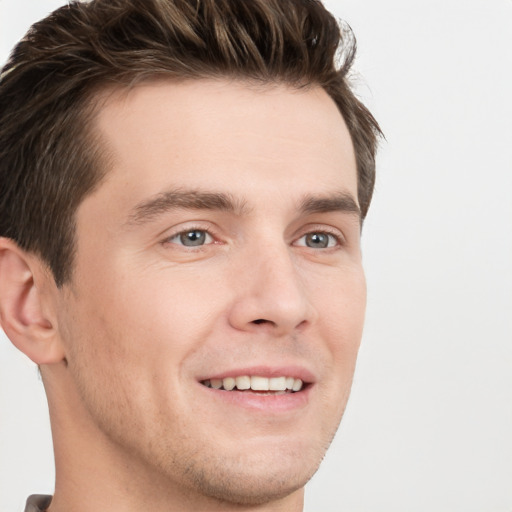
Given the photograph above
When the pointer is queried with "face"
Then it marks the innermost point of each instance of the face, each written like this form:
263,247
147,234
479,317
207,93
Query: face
218,265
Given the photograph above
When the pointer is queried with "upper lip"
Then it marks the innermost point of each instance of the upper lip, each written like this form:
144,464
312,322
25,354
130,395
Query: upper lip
297,372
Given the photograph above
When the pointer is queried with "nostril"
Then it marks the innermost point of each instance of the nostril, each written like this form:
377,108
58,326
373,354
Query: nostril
259,321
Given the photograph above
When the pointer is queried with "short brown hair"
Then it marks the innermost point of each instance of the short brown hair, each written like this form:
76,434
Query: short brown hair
49,160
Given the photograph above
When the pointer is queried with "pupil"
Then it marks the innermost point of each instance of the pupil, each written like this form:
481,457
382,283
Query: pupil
317,240
193,238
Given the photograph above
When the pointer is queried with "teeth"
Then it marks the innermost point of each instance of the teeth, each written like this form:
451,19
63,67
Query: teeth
243,382
228,383
256,383
277,383
297,385
259,384
216,383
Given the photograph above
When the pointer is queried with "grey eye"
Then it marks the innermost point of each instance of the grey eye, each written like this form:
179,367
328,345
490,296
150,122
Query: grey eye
191,238
318,240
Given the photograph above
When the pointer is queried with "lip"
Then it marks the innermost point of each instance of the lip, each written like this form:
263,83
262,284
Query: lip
297,372
262,404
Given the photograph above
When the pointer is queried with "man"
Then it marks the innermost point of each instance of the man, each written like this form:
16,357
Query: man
183,184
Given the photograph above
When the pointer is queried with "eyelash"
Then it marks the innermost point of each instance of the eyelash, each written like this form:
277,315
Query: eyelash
334,234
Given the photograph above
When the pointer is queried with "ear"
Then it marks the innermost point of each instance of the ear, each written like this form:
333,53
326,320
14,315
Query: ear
23,312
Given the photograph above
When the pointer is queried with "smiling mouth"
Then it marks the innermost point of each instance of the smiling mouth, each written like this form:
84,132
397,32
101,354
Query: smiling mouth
261,385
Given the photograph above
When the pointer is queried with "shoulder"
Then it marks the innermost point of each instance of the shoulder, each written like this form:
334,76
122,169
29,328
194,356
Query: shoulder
38,503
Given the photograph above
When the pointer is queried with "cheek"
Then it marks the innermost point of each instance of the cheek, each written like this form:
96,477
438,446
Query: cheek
151,324
126,349
341,308
341,323
174,315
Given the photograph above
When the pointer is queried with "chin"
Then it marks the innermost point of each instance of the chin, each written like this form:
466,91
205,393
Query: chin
246,487
255,477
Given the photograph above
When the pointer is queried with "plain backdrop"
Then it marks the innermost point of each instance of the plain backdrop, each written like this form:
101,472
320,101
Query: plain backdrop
429,424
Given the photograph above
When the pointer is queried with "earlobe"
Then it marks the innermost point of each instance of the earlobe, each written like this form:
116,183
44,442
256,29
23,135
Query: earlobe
22,315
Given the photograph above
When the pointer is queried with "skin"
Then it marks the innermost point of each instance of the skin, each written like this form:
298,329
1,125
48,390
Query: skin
146,318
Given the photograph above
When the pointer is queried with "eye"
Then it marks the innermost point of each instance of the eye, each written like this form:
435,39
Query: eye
318,240
191,238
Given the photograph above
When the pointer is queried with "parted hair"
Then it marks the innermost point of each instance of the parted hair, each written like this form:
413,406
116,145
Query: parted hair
51,159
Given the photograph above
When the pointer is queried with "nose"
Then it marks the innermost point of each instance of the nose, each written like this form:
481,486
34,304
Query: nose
271,294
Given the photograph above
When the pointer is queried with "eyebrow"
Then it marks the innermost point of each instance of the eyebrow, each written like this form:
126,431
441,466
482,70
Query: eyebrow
193,199
340,202
147,210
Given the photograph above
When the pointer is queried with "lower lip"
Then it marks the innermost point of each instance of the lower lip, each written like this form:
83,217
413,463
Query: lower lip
272,404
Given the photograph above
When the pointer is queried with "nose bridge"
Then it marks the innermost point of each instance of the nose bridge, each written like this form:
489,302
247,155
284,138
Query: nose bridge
272,292
279,274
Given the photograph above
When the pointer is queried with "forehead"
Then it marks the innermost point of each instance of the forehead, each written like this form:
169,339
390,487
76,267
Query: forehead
225,135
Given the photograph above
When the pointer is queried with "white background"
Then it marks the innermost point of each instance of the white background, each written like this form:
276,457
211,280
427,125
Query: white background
429,423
